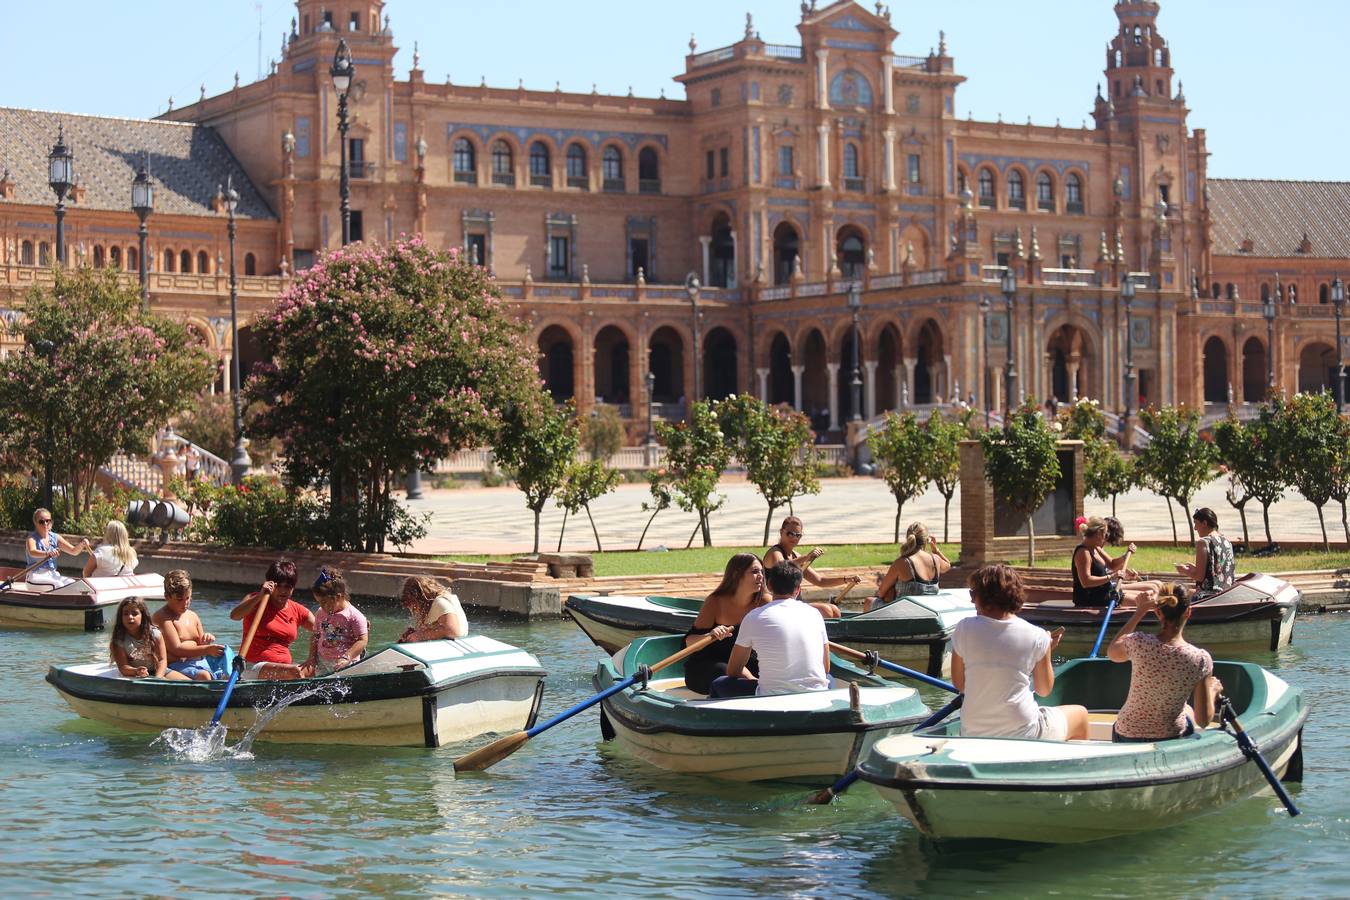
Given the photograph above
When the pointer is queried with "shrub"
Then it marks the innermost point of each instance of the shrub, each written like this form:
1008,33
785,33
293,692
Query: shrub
261,512
602,433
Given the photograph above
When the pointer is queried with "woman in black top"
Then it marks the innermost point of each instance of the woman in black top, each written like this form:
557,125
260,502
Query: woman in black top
741,590
921,562
1092,577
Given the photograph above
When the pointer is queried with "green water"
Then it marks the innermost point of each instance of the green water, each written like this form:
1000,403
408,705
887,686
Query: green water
90,811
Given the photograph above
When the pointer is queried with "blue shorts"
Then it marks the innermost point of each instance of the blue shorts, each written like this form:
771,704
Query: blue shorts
192,667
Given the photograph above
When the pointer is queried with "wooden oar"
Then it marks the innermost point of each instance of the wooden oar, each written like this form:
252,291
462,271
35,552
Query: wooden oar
501,748
9,582
894,667
819,798
238,666
1106,623
1249,749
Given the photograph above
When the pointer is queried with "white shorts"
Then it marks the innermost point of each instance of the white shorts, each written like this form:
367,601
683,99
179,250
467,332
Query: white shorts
1054,725
48,577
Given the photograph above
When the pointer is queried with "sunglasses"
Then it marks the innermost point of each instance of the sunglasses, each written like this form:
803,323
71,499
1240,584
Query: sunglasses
44,521
793,534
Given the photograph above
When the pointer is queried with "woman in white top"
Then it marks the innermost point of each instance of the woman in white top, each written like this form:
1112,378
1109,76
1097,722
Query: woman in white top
435,610
996,660
114,556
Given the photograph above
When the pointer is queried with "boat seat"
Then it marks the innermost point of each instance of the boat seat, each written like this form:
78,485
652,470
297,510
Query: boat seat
675,688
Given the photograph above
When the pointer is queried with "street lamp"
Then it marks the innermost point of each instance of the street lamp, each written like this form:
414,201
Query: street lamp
651,388
855,379
61,177
142,204
1127,298
342,83
1010,374
692,287
984,356
1268,310
239,462
1338,304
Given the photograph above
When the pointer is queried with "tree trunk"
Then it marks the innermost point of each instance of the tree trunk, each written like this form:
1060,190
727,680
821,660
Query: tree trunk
1031,542
768,523
947,518
1242,514
1113,505
1326,544
899,508
689,543
536,531
594,530
562,531
1345,524
643,537
1171,514
1265,514
707,531
1190,523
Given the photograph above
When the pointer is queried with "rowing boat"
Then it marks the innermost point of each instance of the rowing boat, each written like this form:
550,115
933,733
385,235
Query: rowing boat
1257,613
914,631
810,736
423,694
954,787
83,603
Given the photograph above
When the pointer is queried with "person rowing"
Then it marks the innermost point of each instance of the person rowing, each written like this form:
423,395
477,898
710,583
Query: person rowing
789,536
790,639
741,591
43,542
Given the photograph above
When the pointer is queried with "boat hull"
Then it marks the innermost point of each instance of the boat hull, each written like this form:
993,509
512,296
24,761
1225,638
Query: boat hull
85,604
394,702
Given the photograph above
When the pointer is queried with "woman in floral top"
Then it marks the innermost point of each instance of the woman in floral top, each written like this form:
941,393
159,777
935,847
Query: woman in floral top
1212,570
1166,672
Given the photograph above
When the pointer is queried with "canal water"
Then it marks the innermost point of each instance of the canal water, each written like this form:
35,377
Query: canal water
91,811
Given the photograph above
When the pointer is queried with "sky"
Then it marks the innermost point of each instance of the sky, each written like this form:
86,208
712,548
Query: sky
1266,81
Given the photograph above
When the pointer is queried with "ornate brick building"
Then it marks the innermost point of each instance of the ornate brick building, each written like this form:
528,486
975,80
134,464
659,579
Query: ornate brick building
789,174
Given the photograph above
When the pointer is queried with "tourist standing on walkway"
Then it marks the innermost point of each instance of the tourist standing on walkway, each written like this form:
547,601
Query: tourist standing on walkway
789,536
43,542
1213,568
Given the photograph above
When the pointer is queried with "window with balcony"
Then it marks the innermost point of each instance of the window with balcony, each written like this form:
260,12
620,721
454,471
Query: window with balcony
1017,191
503,164
985,180
1045,192
576,168
649,171
541,172
356,158
786,163
465,163
611,169
852,171
914,173
559,256
1073,194
26,253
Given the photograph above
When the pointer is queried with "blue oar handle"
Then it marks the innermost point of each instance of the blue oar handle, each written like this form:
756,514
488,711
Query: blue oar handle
873,659
843,784
229,689
587,704
1249,749
1106,623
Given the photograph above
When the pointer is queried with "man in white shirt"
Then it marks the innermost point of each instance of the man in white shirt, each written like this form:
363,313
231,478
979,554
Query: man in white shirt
789,637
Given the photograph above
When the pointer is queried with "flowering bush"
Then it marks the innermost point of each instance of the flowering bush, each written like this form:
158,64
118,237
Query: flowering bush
261,512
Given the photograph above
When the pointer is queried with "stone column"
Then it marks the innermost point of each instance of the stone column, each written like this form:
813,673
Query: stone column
763,384
908,386
888,159
706,243
732,277
888,82
823,155
833,370
822,79
797,372
225,376
870,389
946,391
1073,380
899,382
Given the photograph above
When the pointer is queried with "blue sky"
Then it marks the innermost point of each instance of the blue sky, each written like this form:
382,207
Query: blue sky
1267,81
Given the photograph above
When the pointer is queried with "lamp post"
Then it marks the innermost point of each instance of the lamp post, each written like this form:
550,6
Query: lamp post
142,204
61,177
239,462
1127,298
342,83
650,378
984,357
47,349
692,287
1010,374
1268,310
1338,305
855,378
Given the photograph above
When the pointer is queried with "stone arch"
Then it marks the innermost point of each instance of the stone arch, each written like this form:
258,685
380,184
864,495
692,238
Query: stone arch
889,371
929,355
250,264
782,387
1075,190
665,360
577,165
787,247
986,186
613,364
721,251
1018,182
203,262
613,166
557,361
1253,370
202,332
1045,188
843,339
505,153
651,162
465,169
170,260
815,379
1215,370
720,369
185,261
1316,367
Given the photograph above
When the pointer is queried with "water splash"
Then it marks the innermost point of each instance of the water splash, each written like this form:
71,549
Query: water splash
207,744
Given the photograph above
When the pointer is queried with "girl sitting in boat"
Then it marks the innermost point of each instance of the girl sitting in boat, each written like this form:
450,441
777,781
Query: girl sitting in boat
114,556
1213,568
916,571
435,611
1096,575
137,646
280,620
789,536
1166,672
340,630
741,590
43,542
997,658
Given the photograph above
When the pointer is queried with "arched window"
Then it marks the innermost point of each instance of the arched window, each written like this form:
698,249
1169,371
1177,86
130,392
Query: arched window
44,254
170,261
503,166
1265,292
185,261
250,264
466,166
611,169
98,257
1017,191
649,171
203,262
541,171
852,171
26,253
1232,291
577,176
1045,192
1073,194
115,257
986,185
133,259
1215,290
1323,293
961,181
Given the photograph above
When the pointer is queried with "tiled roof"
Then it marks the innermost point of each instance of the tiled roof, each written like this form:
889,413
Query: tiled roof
1275,215
187,162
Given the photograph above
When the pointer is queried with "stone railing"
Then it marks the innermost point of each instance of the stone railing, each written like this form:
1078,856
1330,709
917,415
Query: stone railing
1082,277
626,458
722,54
784,51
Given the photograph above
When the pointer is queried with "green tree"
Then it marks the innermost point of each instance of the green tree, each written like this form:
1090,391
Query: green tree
386,358
696,456
583,483
661,499
901,450
1178,461
1254,454
944,458
97,376
1339,476
775,447
1106,473
1313,434
1022,465
538,445
603,433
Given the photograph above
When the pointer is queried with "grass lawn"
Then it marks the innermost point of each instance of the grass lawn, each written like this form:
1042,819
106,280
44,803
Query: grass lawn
1161,559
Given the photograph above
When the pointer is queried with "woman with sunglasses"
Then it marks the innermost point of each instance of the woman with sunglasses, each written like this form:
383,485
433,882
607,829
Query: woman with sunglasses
789,536
43,542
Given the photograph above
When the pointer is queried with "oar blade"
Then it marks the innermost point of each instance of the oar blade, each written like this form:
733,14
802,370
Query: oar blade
493,753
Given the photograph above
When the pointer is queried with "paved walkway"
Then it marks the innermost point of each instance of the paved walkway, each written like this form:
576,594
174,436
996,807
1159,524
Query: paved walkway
847,510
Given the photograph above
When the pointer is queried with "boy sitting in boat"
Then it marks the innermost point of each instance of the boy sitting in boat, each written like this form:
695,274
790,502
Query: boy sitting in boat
789,638
191,648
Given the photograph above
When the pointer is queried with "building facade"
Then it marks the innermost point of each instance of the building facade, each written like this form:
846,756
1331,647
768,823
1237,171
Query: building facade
815,191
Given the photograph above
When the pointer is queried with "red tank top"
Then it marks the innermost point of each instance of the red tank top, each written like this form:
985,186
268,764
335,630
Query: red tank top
276,632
